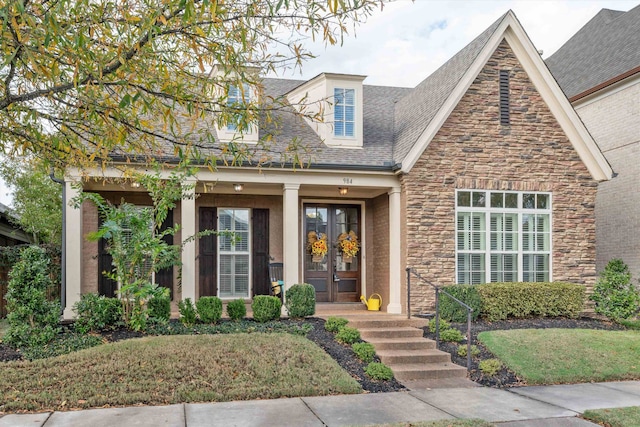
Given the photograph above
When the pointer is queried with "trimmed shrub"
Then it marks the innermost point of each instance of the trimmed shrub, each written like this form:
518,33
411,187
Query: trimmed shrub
364,350
236,310
614,294
97,313
379,371
451,335
462,350
333,324
454,312
188,315
347,335
266,308
209,309
490,367
33,321
159,308
442,324
300,300
526,299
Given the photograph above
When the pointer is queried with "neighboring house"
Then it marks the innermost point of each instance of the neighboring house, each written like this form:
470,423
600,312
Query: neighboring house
599,71
10,235
483,172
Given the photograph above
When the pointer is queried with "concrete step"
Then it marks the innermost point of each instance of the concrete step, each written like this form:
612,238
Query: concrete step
421,371
330,308
408,343
366,322
403,357
399,332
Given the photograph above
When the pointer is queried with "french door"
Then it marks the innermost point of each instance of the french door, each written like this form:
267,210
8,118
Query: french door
335,275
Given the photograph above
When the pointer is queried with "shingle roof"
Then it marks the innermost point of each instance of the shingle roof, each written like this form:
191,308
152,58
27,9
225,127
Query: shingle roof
606,47
393,119
414,113
378,107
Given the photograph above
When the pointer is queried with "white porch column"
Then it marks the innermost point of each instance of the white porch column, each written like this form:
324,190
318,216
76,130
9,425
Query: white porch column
290,235
188,216
73,247
395,269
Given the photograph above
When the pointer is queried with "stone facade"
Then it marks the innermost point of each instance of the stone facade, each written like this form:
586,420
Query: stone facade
472,150
613,119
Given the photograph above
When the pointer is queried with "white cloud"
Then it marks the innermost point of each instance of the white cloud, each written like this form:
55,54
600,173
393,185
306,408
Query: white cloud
407,41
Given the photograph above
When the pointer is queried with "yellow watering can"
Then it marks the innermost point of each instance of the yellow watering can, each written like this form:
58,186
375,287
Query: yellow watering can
373,304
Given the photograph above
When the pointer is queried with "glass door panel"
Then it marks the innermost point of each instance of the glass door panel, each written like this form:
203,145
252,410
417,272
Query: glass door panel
336,273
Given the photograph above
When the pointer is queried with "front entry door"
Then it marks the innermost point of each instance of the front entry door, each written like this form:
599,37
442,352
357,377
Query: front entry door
335,276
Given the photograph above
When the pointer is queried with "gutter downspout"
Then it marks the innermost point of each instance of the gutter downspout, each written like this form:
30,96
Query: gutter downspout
63,273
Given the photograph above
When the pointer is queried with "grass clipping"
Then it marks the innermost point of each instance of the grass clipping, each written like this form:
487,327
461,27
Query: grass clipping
176,369
552,356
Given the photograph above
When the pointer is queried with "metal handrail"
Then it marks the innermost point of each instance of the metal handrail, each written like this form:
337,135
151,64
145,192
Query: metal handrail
411,271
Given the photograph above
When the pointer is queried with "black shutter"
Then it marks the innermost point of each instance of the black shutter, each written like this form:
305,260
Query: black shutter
260,251
504,97
106,286
207,258
164,277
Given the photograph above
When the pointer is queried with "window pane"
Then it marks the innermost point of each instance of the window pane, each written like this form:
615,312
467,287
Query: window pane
349,113
464,198
479,200
339,129
542,201
471,268
241,220
349,96
497,200
511,200
349,129
528,201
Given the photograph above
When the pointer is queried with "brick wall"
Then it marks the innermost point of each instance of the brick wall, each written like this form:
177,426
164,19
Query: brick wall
613,119
473,151
379,250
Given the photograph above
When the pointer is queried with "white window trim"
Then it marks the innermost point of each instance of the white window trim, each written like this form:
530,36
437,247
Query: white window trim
248,252
519,211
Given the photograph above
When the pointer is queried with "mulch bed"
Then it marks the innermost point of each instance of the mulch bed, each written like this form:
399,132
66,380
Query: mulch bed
506,378
339,352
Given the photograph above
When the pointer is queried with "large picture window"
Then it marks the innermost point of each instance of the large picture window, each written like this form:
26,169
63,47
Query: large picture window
502,237
234,253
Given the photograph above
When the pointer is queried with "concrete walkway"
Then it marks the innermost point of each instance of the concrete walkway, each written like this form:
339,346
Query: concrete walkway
556,405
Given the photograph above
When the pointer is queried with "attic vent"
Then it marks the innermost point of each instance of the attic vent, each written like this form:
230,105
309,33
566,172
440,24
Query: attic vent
504,97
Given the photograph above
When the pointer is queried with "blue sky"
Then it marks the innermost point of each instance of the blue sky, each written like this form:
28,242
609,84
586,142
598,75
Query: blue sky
408,40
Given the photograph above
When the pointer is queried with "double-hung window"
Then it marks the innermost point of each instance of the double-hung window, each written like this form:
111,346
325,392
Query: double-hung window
344,113
234,253
502,236
237,98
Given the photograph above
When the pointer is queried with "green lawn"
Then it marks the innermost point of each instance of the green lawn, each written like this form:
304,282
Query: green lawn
616,417
174,369
551,356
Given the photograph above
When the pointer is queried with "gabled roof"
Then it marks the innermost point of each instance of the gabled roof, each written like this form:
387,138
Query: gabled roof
606,47
416,111
399,123
452,80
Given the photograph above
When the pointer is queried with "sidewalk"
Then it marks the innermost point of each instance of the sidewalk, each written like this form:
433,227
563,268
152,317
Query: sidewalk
556,405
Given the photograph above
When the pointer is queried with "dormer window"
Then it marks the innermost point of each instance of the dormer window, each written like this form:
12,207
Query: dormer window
237,98
344,121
